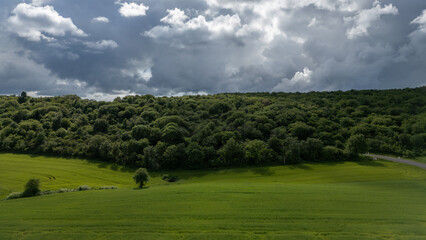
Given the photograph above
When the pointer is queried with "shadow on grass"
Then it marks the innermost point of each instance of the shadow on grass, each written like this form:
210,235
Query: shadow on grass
137,188
371,163
300,166
263,171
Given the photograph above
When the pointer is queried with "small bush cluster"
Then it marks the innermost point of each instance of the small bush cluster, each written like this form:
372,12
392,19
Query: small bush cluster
64,190
168,178
84,188
14,195
32,189
108,187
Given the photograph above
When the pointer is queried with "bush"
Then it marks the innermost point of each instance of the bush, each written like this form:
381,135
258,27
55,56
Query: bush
47,192
14,195
64,190
32,188
108,187
84,188
168,178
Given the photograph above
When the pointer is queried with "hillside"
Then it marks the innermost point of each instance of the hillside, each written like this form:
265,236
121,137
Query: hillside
218,130
350,200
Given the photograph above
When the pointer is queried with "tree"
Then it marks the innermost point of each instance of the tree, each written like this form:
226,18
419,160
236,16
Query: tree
23,97
232,153
141,177
172,134
356,144
258,152
141,131
195,156
301,130
101,125
150,157
32,188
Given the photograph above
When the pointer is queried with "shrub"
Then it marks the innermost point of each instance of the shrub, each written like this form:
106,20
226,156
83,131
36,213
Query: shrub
64,190
168,178
32,188
84,188
14,195
108,187
47,192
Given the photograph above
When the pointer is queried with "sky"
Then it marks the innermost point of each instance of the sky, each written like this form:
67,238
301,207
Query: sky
103,49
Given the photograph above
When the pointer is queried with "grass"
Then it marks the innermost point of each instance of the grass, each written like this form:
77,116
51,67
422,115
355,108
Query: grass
367,200
419,159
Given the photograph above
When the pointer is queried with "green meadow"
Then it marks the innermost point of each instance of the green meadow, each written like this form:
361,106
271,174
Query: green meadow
350,200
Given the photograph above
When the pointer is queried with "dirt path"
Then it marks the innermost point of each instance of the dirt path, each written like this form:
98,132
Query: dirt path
393,159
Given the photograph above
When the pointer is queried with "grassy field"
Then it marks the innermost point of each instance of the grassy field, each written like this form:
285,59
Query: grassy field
367,200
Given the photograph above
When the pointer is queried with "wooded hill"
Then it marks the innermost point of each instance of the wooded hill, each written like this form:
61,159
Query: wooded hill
220,130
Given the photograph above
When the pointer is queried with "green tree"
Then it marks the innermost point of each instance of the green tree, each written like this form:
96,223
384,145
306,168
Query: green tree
257,152
32,188
101,125
141,131
23,97
172,134
301,130
232,153
151,157
141,177
356,144
195,156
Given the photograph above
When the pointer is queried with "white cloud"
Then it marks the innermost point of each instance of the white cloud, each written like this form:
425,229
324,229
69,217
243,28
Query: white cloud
33,22
139,69
421,21
102,96
174,17
172,93
300,80
132,9
263,7
101,19
102,45
363,20
179,23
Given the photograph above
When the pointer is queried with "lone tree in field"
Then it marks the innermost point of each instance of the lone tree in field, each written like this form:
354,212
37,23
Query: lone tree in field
141,177
32,188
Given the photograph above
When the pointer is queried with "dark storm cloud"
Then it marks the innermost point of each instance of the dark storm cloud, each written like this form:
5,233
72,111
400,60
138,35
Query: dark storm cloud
103,49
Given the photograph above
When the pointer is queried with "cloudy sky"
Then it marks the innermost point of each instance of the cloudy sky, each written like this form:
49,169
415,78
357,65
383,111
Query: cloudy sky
102,49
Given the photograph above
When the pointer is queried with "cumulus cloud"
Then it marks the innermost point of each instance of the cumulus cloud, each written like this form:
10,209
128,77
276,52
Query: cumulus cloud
102,45
101,19
132,9
299,81
364,18
174,17
179,23
421,21
35,22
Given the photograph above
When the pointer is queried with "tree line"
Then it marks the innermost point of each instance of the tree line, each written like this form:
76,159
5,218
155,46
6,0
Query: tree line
229,129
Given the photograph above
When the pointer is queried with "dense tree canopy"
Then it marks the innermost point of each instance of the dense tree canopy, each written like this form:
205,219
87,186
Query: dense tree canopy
218,130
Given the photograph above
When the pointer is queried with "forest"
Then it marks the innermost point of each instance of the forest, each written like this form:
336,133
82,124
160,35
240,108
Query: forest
215,131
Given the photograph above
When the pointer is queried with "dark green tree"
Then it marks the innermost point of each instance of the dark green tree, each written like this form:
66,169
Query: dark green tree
141,177
32,188
356,144
232,153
